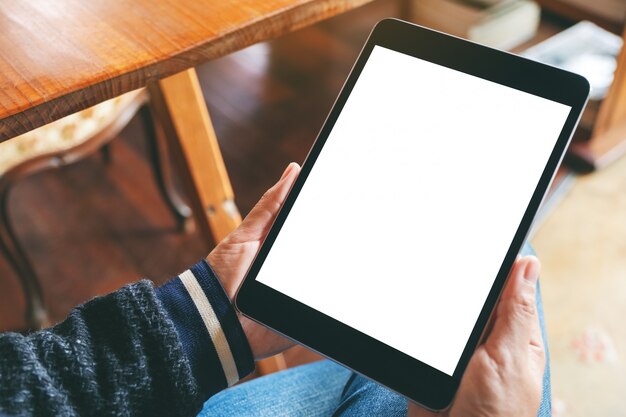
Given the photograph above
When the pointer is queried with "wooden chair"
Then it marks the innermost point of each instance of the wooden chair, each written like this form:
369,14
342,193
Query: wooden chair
63,142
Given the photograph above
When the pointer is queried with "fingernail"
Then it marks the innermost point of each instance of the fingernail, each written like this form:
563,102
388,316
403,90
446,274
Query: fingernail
287,170
531,270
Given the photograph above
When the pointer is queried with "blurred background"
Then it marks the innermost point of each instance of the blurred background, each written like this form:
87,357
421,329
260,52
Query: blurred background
97,224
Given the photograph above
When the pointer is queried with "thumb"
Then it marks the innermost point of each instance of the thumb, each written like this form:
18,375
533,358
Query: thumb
256,224
516,320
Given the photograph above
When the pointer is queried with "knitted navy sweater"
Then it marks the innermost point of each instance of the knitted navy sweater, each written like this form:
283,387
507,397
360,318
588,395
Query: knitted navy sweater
139,351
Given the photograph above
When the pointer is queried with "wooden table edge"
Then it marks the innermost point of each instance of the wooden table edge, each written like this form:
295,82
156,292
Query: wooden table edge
259,30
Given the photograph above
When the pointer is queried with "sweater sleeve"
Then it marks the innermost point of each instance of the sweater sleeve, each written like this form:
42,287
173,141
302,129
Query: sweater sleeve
137,351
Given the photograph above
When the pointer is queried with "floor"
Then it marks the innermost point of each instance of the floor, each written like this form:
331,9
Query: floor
582,247
91,227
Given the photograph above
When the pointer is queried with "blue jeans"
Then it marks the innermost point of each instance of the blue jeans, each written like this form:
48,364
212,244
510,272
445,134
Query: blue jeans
327,389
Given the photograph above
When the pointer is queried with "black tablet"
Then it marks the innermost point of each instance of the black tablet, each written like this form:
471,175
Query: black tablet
396,240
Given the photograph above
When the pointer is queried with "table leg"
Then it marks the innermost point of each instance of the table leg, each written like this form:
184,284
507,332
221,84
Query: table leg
608,140
181,110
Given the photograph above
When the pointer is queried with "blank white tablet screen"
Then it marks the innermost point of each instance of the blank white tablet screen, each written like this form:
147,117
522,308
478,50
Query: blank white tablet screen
405,218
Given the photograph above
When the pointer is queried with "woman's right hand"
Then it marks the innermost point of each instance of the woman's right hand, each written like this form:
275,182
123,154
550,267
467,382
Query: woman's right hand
504,376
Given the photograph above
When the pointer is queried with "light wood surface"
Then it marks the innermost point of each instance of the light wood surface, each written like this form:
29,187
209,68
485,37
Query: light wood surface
61,56
582,248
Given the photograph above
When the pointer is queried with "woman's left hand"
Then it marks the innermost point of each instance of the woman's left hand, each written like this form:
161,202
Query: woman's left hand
232,257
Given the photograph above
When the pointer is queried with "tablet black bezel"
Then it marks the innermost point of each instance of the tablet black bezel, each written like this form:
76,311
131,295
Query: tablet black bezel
374,359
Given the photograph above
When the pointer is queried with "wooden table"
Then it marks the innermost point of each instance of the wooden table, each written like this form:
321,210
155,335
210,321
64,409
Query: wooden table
61,56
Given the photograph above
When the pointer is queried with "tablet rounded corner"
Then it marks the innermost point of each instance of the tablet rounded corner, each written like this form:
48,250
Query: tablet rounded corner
240,302
585,85
384,23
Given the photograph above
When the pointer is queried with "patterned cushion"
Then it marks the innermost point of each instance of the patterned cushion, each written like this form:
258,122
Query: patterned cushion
63,134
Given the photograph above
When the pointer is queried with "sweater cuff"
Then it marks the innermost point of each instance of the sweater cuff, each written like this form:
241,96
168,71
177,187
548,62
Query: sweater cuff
208,328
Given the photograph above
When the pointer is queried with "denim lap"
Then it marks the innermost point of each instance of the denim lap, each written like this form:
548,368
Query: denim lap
308,390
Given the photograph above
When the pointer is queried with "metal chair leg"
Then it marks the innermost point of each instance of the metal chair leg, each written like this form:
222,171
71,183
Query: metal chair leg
157,152
36,314
105,152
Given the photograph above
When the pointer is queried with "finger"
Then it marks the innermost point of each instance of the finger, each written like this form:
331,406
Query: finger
537,348
494,315
537,352
536,338
517,312
259,219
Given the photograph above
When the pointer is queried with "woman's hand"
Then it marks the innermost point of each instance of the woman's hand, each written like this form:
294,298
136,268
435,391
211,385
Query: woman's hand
232,257
504,376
